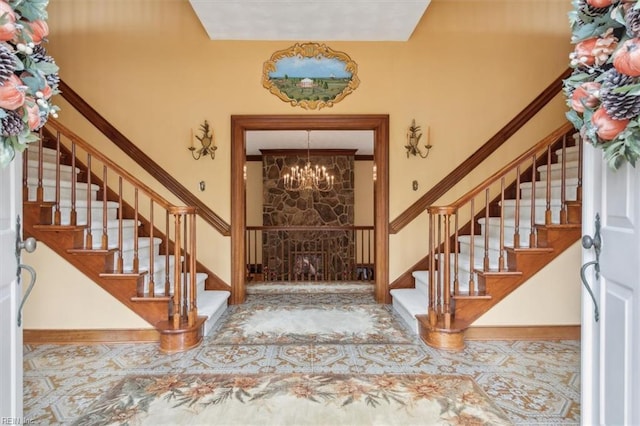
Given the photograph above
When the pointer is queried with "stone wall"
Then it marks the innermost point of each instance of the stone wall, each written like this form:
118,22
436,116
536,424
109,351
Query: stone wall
316,254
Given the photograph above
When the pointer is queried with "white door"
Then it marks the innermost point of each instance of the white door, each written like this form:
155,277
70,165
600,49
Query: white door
10,293
611,346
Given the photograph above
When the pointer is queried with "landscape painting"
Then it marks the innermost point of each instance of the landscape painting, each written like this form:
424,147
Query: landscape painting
310,75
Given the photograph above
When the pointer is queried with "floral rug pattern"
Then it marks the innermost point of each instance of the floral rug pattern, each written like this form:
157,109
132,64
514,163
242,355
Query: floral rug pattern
532,382
295,399
304,322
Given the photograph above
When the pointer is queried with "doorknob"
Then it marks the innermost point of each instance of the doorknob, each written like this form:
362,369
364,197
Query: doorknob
30,244
594,242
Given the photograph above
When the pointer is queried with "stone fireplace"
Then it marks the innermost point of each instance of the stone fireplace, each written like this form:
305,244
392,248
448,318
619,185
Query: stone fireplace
309,244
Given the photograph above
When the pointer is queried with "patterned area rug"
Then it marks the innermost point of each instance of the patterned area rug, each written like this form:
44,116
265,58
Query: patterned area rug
294,399
300,320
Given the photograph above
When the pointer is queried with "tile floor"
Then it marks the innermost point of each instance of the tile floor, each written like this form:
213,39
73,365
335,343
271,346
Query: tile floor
533,382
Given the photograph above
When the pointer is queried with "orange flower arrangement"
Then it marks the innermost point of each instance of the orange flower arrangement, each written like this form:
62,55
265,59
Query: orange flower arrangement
603,92
28,76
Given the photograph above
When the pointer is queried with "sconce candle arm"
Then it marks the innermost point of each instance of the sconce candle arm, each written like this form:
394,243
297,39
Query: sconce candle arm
206,140
413,138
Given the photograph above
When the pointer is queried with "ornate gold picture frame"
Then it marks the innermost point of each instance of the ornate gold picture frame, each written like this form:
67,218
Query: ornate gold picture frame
310,75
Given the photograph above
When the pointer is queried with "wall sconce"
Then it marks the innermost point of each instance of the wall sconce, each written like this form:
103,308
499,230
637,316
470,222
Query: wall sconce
413,138
206,140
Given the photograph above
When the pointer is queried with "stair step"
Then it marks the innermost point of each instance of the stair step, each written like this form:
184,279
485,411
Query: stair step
49,155
571,170
143,247
572,154
474,296
571,187
540,208
200,279
81,211
509,230
212,304
49,189
128,232
49,171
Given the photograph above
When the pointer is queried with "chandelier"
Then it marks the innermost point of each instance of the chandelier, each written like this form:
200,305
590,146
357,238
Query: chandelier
308,177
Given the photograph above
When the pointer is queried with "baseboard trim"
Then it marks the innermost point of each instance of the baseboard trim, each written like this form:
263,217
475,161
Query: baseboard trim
543,332
91,336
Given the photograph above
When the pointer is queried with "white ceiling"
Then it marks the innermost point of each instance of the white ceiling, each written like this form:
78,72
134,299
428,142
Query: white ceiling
310,20
361,140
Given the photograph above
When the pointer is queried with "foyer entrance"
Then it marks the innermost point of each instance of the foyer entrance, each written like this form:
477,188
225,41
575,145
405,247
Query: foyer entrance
377,124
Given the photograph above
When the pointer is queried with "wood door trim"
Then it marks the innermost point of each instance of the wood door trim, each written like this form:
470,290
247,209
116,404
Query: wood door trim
378,123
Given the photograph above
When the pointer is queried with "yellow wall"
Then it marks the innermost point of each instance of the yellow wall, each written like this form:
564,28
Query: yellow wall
254,193
149,68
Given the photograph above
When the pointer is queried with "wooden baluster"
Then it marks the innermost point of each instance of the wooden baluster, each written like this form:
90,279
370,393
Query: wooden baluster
432,272
532,235
120,267
136,248
167,252
563,182
177,290
446,288
547,213
105,236
578,142
89,233
472,248
184,267
456,285
152,261
501,266
40,187
255,252
486,263
291,260
516,232
247,238
363,261
73,216
370,258
56,214
441,268
193,310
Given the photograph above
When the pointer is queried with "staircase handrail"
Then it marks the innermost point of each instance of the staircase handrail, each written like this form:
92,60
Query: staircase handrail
179,235
482,153
142,159
539,147
445,224
159,199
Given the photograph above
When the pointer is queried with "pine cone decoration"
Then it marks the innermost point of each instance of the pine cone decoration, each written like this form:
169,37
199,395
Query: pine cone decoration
12,124
53,80
40,55
632,16
620,106
7,63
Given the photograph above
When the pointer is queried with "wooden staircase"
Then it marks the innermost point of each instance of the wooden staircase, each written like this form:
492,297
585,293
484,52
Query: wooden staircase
131,241
493,239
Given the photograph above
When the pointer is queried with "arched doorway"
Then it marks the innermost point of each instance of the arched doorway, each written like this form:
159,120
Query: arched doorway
379,124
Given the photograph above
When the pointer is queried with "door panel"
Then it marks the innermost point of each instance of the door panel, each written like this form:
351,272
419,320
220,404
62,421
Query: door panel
611,346
10,293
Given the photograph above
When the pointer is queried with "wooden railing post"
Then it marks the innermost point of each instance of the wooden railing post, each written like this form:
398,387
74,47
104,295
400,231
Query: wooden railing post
433,314
177,283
